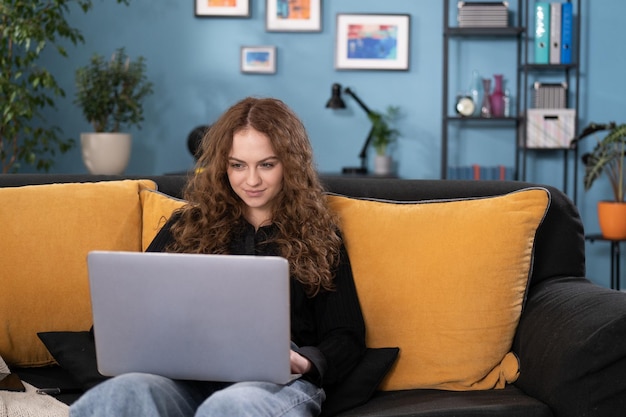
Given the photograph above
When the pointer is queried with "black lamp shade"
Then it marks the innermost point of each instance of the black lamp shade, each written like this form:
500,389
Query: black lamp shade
335,101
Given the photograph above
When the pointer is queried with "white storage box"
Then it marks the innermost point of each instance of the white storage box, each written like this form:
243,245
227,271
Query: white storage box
550,128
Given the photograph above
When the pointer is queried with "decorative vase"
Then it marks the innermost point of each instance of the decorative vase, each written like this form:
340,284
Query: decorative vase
507,103
497,97
382,165
485,108
612,219
105,153
474,92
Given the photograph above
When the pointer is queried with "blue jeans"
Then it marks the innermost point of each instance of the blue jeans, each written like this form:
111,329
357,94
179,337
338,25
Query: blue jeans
138,394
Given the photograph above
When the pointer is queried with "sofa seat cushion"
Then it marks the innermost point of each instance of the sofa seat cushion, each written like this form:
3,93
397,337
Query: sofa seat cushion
47,232
445,281
509,402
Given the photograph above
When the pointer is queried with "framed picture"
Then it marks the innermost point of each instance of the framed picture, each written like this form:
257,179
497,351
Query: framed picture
293,15
372,42
258,59
223,8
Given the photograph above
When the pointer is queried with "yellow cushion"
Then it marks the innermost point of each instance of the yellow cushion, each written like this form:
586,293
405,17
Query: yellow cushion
47,231
156,209
445,281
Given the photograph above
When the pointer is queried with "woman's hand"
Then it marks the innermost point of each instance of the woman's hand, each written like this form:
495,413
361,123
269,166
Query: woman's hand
299,364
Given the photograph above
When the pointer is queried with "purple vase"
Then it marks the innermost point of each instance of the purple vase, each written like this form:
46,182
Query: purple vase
497,97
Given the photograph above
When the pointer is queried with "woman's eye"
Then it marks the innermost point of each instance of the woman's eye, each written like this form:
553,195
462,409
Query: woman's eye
267,165
236,165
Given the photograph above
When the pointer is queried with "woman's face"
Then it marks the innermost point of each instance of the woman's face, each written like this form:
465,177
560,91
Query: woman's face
255,174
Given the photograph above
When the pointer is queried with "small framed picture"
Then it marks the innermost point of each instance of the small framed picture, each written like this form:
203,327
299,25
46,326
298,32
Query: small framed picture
293,15
223,8
372,42
258,59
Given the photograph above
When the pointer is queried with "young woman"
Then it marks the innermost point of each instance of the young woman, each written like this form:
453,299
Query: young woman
257,194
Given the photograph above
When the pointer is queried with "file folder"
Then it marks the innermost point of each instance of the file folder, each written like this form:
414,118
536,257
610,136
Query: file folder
555,33
567,29
542,32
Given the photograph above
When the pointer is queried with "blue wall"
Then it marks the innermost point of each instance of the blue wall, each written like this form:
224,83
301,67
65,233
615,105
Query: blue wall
194,63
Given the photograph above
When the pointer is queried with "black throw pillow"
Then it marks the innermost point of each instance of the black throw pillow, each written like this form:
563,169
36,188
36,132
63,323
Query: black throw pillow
76,353
359,386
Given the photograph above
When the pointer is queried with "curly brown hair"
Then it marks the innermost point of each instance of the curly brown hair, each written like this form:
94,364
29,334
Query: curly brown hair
307,236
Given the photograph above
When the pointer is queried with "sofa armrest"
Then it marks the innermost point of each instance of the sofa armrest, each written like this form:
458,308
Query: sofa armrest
571,342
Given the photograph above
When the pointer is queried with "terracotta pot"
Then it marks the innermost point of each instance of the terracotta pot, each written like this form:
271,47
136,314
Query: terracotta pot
612,219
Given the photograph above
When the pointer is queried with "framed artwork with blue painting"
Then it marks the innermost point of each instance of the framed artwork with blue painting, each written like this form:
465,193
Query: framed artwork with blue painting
372,42
293,15
258,59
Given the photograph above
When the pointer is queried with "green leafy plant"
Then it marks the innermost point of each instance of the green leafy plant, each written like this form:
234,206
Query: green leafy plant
27,29
382,132
111,93
606,157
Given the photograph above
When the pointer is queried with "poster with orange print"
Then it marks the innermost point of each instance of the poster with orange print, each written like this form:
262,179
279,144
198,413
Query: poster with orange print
226,8
222,3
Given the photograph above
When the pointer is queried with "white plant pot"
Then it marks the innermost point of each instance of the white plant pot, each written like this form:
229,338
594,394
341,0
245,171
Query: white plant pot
383,164
106,153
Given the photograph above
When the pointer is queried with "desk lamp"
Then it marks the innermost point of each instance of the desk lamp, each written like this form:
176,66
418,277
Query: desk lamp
336,102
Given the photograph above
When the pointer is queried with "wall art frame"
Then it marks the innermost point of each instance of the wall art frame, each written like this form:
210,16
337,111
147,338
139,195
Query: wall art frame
258,59
222,8
372,42
293,15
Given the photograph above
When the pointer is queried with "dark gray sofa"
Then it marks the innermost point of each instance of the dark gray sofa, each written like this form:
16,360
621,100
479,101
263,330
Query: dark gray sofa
571,339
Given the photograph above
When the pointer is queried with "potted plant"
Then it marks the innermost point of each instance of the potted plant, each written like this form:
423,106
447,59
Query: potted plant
111,94
382,136
29,30
608,157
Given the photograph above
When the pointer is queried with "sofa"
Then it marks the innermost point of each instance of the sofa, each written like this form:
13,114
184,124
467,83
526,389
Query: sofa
473,293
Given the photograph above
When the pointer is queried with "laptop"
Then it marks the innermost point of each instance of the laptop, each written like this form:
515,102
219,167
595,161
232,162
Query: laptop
187,316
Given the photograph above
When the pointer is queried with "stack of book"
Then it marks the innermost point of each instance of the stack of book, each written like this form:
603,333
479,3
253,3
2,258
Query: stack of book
479,172
483,14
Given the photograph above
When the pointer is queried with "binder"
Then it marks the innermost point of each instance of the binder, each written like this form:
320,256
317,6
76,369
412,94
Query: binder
567,29
555,33
542,32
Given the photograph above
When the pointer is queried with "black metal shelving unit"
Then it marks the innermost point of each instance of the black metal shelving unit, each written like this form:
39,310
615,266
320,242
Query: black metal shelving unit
521,33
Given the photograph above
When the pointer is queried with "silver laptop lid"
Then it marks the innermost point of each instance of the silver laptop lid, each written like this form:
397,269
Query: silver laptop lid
198,317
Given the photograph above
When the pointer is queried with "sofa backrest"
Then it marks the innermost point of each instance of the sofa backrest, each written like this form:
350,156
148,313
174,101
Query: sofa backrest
560,242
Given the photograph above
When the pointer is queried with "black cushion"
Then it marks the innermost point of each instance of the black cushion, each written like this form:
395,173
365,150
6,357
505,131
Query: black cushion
76,353
361,382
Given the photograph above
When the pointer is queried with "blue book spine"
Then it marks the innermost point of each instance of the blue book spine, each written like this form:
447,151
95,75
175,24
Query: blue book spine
567,29
542,32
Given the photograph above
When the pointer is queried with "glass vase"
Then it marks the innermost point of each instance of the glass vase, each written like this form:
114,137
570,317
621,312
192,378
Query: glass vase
485,108
497,97
474,92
